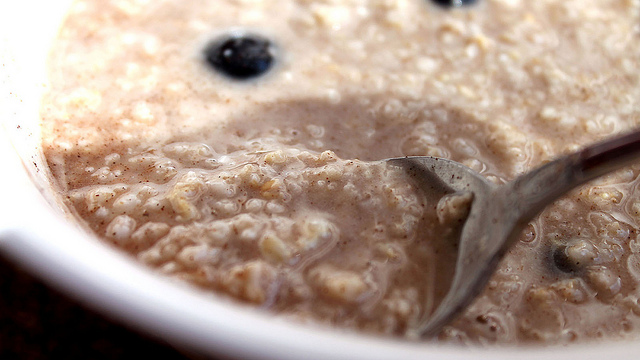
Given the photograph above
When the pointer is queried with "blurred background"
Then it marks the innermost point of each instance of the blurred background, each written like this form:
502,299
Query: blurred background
38,322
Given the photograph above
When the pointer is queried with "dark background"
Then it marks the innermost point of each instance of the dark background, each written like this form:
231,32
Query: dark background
38,322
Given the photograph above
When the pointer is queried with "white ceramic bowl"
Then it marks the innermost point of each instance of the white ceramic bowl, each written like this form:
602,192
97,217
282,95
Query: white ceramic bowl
35,232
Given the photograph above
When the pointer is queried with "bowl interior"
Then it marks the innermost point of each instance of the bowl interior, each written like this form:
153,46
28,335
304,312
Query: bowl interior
36,231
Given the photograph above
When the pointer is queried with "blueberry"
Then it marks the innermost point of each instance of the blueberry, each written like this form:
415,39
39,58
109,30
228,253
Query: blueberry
454,3
240,57
574,255
561,260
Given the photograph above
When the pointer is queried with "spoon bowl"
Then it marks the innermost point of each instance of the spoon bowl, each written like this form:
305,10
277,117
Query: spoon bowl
498,213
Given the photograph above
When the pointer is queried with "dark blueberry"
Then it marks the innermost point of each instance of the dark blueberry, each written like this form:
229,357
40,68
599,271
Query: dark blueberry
241,57
574,256
561,260
454,3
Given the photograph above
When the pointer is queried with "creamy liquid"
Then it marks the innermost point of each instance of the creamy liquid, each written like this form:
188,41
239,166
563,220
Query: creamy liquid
262,189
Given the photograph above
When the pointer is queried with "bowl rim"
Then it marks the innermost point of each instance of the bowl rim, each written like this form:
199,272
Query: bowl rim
35,233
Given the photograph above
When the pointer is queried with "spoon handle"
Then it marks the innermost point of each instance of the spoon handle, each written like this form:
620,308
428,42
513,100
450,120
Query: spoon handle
498,217
610,155
532,192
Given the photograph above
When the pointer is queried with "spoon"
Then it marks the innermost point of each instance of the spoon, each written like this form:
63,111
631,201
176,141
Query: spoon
498,213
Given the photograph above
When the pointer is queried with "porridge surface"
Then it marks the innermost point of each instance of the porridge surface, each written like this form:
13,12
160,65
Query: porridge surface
265,189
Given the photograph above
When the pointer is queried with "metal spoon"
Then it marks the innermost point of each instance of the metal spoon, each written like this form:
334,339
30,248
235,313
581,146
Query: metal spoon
498,214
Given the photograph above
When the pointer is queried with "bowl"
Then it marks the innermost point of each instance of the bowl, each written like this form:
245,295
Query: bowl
36,231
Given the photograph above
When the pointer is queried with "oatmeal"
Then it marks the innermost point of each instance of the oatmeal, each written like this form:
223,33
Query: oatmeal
235,145
304,233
